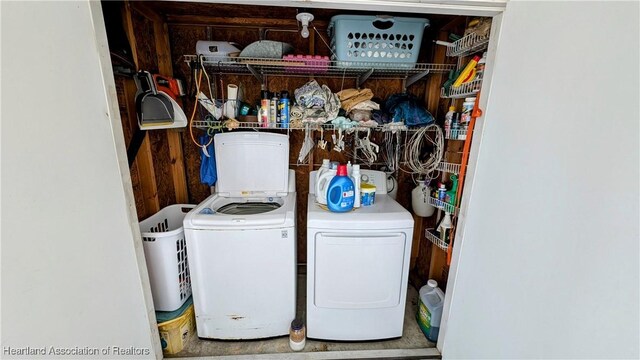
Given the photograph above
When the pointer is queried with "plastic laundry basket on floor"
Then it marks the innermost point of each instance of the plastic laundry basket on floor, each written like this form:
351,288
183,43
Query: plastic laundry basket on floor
165,251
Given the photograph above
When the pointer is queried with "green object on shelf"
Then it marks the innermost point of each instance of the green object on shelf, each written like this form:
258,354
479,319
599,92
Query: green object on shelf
451,194
454,37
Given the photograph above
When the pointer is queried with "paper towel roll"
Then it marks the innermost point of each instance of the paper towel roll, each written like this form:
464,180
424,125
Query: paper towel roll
232,92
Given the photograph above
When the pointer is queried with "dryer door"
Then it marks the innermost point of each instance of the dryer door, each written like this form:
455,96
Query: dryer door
358,271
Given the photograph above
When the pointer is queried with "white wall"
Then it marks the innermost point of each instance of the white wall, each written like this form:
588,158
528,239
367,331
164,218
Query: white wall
71,271
548,264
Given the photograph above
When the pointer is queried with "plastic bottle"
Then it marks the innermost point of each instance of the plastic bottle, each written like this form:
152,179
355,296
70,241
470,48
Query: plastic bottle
297,335
442,192
468,73
264,108
450,196
467,108
355,176
273,111
341,192
283,109
445,228
481,65
447,121
455,126
430,310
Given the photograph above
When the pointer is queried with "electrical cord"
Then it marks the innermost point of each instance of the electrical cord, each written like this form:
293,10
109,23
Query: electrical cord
195,105
413,148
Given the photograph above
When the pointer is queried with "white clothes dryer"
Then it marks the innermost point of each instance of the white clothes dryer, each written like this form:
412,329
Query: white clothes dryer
357,267
241,241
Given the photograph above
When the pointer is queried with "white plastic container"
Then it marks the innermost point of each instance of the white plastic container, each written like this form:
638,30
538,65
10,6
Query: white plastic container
430,310
165,252
420,200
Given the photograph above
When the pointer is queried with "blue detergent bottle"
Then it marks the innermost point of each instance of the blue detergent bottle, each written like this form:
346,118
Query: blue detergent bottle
341,191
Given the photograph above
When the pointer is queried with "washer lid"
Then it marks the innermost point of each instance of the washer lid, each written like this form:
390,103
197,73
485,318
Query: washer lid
252,164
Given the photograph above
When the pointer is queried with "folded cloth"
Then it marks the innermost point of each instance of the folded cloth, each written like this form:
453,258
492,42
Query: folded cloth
332,103
360,115
316,116
366,105
208,173
351,97
342,122
310,95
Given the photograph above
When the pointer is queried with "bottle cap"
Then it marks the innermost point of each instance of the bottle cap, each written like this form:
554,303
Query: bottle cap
452,108
342,170
356,167
284,94
325,162
470,99
264,94
432,283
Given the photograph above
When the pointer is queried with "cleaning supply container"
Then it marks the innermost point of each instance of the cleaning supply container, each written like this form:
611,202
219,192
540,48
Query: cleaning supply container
341,191
165,252
379,39
430,310
176,327
368,192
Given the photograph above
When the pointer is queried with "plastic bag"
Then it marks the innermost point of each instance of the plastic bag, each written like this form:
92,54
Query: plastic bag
208,172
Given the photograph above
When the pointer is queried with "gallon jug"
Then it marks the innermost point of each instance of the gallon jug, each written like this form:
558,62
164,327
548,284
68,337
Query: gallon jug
420,200
323,176
341,191
430,310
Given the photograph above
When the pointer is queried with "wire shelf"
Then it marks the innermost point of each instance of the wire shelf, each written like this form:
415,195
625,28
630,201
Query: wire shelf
205,124
443,206
468,44
465,90
260,66
449,167
456,134
436,240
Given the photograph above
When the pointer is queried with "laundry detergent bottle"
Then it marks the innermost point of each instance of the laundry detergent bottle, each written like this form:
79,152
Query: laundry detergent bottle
341,191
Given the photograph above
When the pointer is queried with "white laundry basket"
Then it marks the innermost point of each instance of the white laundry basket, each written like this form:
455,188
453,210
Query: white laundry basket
165,251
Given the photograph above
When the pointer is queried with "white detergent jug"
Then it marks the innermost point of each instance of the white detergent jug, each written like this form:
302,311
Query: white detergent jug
430,310
322,184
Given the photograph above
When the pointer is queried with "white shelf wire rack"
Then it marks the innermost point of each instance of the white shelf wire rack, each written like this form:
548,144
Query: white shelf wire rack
436,240
260,67
443,206
465,90
449,167
205,124
457,134
468,44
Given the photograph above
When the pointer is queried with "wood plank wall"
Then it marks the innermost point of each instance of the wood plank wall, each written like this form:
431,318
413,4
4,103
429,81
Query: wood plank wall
167,168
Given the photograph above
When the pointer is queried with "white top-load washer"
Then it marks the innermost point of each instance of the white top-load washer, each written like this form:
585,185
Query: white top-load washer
241,241
357,267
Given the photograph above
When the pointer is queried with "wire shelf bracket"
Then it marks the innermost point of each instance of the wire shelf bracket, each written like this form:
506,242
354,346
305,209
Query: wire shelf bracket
364,77
449,167
465,90
469,44
436,240
412,79
256,74
443,206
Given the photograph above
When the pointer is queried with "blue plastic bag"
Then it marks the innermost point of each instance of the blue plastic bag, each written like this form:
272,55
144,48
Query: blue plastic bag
208,172
406,108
